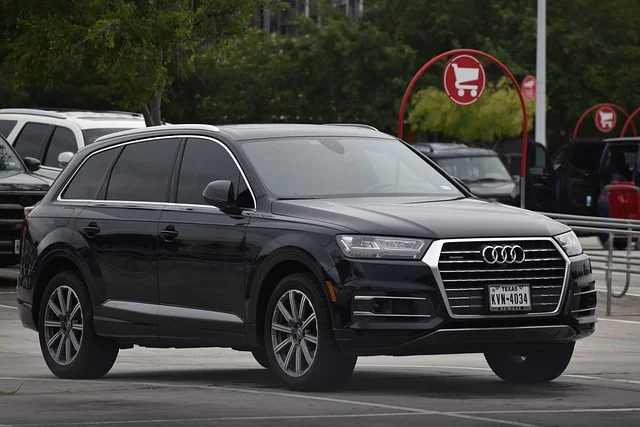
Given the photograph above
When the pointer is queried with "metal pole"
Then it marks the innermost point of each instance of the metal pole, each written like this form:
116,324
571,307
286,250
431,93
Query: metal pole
609,274
541,71
307,8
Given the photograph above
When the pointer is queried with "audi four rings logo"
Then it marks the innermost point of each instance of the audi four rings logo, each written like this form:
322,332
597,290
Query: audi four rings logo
503,254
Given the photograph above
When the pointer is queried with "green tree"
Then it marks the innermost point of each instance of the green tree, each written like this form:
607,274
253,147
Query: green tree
496,115
343,71
136,48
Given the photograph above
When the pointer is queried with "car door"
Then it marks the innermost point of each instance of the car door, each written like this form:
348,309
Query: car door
201,249
539,195
581,178
119,230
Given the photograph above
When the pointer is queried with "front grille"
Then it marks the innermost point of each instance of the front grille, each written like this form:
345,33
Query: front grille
466,275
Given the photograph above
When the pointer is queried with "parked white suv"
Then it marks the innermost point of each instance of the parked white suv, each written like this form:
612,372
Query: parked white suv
53,136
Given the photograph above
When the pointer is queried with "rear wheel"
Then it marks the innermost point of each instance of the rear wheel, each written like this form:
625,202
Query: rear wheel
68,341
299,337
539,364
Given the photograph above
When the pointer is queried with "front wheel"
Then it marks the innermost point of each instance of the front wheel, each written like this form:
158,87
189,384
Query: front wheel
540,364
68,341
299,337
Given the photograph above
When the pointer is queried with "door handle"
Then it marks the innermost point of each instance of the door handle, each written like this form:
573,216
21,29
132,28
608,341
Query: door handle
92,229
169,233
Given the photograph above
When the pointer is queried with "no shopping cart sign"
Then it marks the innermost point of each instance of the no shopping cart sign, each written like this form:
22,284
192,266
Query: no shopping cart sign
464,79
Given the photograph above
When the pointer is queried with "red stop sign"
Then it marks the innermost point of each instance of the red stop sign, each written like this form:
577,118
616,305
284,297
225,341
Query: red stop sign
606,119
464,79
529,88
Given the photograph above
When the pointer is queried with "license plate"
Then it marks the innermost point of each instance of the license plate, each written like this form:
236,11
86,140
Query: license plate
16,247
509,298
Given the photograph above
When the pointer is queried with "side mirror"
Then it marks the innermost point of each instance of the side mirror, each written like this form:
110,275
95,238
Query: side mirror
220,194
31,163
64,158
462,184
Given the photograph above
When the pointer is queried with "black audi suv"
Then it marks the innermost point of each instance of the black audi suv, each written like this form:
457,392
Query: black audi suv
308,245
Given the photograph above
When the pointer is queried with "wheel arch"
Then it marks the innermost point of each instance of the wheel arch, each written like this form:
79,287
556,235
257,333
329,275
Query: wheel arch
276,267
56,261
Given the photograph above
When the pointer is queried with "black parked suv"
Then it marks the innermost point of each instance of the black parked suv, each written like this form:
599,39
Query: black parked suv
306,245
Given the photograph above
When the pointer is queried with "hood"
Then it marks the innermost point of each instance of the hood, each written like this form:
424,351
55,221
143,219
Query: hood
461,218
16,181
497,189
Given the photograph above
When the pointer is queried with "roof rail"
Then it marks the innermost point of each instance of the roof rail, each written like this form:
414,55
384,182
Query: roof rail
76,110
32,112
356,125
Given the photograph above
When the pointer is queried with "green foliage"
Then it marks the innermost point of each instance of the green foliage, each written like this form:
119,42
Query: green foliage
342,71
135,47
496,115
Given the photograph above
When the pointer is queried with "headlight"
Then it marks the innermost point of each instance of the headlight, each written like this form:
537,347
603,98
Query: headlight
570,243
381,247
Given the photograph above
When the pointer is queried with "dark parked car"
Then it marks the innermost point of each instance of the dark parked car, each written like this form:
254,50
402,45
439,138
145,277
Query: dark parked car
479,168
19,189
306,245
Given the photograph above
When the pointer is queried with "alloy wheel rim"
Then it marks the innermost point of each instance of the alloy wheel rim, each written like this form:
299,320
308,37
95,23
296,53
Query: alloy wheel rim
294,333
63,325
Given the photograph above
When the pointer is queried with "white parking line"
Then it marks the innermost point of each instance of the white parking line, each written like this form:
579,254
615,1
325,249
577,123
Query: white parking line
631,322
468,368
196,420
397,409
553,411
8,306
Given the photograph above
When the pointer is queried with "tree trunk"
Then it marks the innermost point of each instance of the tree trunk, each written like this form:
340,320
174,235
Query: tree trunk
152,112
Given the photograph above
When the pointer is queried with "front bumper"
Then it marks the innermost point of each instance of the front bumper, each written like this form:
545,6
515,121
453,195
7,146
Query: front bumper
419,321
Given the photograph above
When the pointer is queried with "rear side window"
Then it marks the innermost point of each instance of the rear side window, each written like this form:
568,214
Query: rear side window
587,157
6,126
205,161
62,140
31,140
142,171
87,181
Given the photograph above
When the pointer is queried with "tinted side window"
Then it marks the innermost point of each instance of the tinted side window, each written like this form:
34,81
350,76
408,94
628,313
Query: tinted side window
87,181
142,171
62,140
31,139
205,161
6,126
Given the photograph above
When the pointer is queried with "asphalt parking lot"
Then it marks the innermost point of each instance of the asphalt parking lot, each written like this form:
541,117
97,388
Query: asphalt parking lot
227,388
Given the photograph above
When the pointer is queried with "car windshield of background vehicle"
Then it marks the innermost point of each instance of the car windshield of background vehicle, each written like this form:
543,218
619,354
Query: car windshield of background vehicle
9,161
90,135
476,169
325,167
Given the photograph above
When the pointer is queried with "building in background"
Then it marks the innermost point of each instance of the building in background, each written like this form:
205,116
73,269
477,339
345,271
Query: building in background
283,21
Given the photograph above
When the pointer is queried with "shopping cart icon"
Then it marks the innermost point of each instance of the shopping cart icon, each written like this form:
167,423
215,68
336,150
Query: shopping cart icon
463,76
606,119
529,84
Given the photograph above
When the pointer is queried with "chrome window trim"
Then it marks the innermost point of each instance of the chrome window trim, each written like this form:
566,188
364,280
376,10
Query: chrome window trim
59,197
432,257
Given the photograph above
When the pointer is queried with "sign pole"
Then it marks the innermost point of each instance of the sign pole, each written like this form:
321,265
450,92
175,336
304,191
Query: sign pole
541,71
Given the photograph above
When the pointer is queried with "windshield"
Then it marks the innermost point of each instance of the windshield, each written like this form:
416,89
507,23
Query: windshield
476,169
90,135
344,167
9,160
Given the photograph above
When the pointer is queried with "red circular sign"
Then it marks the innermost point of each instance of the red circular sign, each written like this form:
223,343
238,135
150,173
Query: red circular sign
606,119
529,88
464,79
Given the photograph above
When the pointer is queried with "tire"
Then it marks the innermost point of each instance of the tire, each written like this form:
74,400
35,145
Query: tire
261,357
539,365
329,368
77,352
